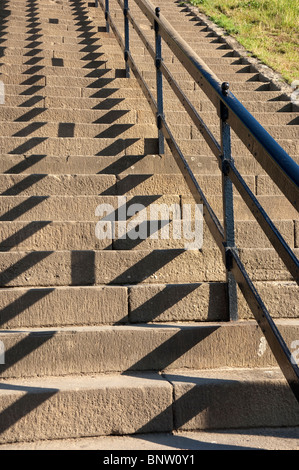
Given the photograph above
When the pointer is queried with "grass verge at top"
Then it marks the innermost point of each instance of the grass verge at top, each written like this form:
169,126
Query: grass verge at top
269,29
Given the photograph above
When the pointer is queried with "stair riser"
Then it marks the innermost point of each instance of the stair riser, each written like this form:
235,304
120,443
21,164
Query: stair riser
108,267
124,165
230,401
104,305
130,185
140,348
109,406
61,47
104,116
77,130
76,101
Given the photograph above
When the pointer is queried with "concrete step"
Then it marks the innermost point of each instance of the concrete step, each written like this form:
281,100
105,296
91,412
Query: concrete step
141,403
106,88
25,47
21,70
120,165
99,131
134,348
88,78
82,208
76,306
108,405
64,235
81,146
46,97
84,130
110,108
114,267
83,53
110,185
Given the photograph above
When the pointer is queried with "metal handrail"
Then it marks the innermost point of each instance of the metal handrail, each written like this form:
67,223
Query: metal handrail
233,115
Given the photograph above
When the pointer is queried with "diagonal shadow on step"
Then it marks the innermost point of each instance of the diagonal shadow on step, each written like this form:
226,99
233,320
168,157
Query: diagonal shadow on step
193,396
138,234
114,131
119,145
127,183
33,60
108,103
104,92
32,90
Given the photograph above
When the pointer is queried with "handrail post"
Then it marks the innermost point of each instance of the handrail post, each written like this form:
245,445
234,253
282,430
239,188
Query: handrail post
228,208
106,15
159,81
127,36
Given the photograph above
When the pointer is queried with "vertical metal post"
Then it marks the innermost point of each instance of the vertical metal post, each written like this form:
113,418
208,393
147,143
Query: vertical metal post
127,36
228,207
159,81
96,3
106,15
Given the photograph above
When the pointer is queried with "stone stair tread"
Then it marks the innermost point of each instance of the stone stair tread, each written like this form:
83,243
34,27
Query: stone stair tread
81,208
118,267
241,439
132,409
125,337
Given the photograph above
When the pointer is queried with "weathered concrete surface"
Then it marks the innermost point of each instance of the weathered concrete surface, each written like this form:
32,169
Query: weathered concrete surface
49,408
95,330
227,396
241,439
111,349
63,306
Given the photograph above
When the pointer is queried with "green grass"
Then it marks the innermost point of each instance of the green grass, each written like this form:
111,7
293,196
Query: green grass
268,29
